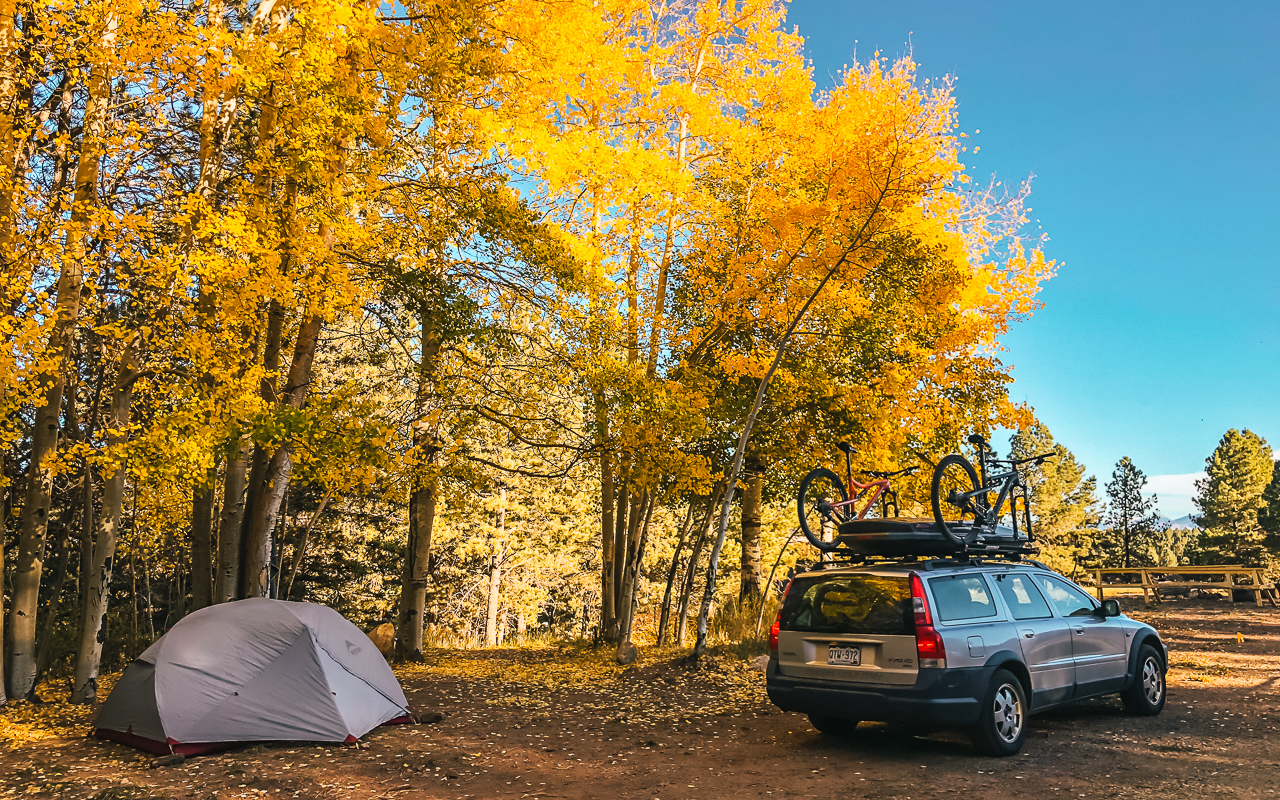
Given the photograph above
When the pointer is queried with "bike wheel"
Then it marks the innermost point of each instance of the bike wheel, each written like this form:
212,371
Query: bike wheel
818,489
957,518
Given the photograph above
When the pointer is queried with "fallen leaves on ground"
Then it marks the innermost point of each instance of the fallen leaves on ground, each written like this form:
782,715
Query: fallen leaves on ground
52,717
661,686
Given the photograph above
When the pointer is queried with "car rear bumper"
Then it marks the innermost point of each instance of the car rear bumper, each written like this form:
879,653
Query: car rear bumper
942,698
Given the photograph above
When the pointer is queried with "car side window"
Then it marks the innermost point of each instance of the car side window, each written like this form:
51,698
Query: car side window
962,597
1022,597
1070,601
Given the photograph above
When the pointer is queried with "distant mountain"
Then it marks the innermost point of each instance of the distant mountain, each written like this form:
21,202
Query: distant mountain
1183,523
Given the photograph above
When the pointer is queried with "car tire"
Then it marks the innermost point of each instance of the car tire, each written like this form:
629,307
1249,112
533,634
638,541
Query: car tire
832,726
1002,716
1145,698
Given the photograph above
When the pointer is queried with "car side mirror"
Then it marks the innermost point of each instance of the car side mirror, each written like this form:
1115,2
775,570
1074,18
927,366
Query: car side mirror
1110,608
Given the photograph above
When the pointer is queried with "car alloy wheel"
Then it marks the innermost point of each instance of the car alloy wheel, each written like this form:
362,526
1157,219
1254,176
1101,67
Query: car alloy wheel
1152,681
1008,714
1145,696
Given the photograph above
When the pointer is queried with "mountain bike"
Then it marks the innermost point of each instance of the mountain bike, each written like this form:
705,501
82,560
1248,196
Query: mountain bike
957,489
824,501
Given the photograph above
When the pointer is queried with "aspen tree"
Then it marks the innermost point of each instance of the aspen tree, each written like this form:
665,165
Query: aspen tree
875,165
422,498
8,186
35,513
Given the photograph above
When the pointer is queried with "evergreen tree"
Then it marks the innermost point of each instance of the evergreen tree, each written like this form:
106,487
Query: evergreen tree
1133,519
1269,516
1064,509
1231,497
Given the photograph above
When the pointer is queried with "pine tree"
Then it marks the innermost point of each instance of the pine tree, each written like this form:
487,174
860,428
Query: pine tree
1133,518
1064,508
1231,497
1269,515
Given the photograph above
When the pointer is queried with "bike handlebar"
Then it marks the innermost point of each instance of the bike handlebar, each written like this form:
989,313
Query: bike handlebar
1040,459
883,475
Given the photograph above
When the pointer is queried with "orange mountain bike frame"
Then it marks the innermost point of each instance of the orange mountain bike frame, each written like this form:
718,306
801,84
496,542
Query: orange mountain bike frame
859,490
862,491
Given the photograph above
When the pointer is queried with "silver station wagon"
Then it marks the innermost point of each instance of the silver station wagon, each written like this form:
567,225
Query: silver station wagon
954,642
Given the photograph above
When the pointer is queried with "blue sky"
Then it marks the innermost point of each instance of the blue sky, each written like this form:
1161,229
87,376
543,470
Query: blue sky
1153,132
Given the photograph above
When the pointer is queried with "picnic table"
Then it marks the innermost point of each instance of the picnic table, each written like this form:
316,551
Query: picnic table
1155,579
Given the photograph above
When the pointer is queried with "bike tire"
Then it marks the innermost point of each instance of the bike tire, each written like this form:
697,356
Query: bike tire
807,507
955,473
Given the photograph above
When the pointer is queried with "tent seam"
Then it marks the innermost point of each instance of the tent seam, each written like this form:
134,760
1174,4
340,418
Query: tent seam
316,639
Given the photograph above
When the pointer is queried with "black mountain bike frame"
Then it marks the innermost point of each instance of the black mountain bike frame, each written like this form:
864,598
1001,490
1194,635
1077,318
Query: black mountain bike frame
1005,484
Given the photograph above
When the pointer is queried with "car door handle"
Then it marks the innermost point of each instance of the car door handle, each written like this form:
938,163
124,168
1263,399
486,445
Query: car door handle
1029,634
1080,631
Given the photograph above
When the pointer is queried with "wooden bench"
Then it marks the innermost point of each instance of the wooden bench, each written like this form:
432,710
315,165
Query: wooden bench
1227,583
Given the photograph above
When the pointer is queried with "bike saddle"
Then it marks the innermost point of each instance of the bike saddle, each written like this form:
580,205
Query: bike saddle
845,448
977,439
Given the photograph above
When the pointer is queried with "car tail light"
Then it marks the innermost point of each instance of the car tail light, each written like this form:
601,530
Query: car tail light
777,624
930,651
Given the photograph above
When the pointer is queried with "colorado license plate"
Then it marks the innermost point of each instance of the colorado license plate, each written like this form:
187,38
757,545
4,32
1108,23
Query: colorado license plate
844,656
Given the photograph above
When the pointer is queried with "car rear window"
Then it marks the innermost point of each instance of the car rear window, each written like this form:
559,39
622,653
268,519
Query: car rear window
860,604
961,597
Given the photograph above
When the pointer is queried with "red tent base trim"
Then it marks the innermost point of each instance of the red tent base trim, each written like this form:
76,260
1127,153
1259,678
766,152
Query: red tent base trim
169,746
133,740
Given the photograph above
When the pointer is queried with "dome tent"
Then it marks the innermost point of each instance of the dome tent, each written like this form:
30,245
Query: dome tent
253,670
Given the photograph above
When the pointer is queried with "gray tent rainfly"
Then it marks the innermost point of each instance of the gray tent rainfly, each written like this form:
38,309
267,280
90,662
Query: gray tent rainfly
250,671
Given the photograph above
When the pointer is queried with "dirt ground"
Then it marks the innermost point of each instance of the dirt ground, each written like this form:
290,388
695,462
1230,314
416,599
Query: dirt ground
560,723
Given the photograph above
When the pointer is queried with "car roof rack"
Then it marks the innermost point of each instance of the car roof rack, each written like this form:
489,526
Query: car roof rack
900,539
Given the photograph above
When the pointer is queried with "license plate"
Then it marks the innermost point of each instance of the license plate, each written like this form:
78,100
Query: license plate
844,656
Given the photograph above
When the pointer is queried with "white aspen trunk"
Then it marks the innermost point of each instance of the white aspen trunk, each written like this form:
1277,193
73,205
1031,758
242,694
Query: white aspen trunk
635,559
665,618
257,561
84,686
257,566
752,575
413,588
495,573
202,541
251,541
608,611
691,571
227,580
621,507
422,503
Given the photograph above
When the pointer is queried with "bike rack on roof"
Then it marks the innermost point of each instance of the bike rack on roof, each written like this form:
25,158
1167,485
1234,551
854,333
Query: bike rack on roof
927,564
912,539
